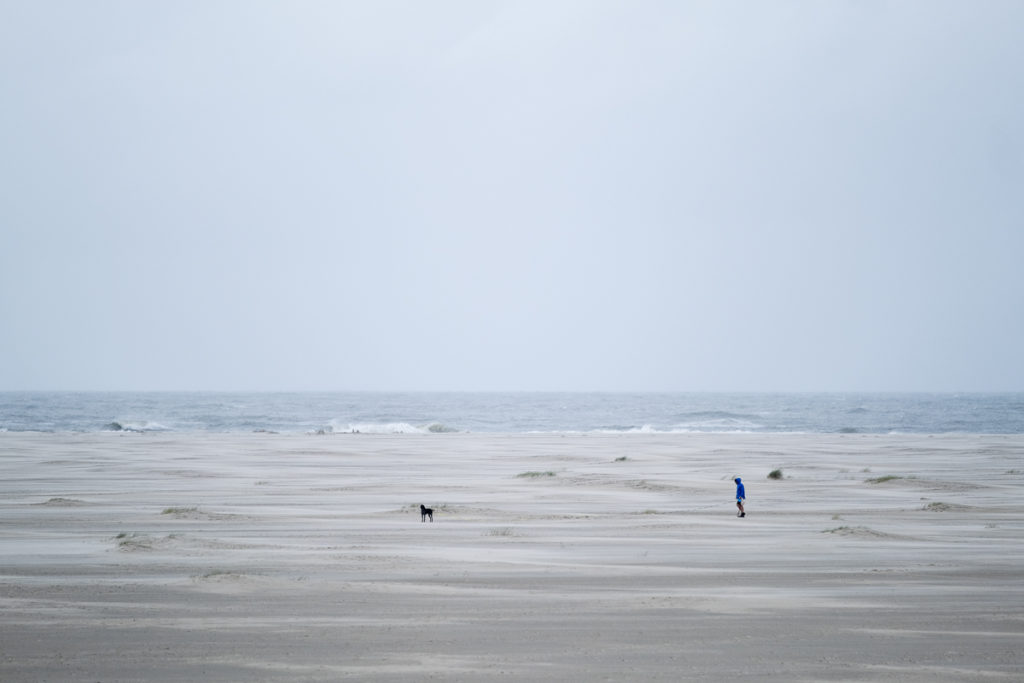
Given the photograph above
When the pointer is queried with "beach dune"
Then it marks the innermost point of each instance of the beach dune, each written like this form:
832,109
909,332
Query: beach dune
263,557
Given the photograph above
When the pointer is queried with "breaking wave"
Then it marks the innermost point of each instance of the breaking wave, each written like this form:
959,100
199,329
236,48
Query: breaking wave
717,421
388,428
135,427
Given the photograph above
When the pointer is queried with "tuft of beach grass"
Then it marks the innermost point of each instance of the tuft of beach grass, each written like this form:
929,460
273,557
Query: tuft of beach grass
882,480
178,511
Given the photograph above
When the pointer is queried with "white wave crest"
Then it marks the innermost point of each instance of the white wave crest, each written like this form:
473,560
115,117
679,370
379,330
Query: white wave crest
648,429
376,428
678,429
147,426
336,427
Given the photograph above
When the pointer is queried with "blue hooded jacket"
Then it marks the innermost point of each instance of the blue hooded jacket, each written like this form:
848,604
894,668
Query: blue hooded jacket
740,491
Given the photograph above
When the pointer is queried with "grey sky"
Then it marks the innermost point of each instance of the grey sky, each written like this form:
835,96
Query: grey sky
512,195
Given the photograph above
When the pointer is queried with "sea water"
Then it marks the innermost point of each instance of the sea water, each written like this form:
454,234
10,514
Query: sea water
426,412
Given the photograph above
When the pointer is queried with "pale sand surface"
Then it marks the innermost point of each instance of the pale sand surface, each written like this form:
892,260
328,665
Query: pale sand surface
156,557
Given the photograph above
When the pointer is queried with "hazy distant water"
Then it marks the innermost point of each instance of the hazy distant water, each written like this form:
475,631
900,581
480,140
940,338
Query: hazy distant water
512,412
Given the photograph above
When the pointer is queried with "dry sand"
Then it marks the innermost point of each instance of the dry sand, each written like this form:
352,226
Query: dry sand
155,557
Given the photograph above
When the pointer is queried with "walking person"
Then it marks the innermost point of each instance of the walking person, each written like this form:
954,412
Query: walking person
741,495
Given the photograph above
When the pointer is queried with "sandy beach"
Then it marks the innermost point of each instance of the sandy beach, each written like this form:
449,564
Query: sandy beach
264,557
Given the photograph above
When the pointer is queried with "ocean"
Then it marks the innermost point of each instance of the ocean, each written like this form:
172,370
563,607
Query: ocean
513,413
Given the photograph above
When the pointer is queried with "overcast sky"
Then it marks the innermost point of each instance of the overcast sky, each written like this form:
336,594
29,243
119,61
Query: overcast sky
576,195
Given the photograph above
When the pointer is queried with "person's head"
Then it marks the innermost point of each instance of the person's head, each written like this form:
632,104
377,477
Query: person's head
737,480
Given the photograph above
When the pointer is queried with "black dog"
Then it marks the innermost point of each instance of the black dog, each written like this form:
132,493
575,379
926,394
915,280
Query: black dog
426,512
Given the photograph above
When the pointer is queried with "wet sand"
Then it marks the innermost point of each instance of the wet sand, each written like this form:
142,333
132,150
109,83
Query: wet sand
263,557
